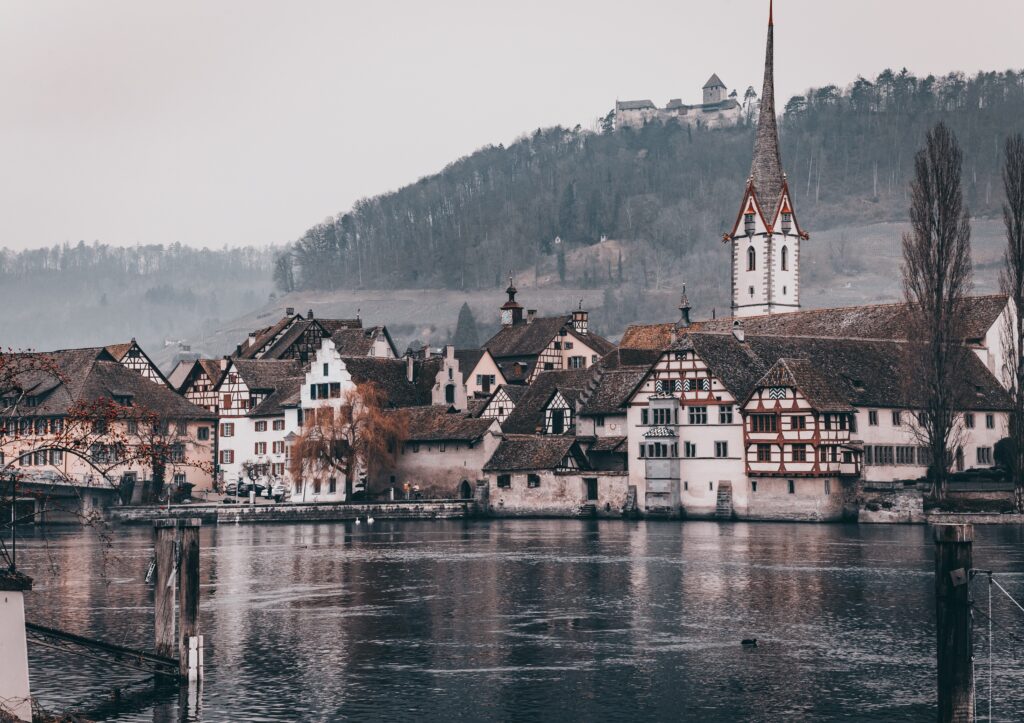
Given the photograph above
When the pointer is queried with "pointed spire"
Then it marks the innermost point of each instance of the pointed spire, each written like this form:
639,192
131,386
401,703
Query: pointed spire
766,170
684,310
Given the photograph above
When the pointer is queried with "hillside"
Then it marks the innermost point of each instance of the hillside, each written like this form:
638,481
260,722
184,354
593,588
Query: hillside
666,191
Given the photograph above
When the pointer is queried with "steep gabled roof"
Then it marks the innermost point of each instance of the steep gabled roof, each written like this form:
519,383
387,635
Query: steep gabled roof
358,342
528,415
613,390
713,82
468,359
390,375
766,169
808,379
521,453
287,393
530,338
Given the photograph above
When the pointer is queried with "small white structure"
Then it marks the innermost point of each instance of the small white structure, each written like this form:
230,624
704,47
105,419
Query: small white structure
15,698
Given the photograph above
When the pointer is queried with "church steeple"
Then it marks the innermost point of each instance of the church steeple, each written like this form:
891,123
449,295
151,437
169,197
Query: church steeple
511,310
766,237
766,169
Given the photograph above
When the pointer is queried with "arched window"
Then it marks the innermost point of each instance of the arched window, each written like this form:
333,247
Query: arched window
751,259
449,394
785,258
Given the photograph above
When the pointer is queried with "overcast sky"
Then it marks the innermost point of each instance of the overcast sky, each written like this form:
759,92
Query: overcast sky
236,122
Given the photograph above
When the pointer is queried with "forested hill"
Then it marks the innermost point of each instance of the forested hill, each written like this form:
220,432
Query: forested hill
848,151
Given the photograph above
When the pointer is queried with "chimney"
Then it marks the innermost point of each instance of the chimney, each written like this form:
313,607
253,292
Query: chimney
309,314
737,330
238,350
252,339
530,313
290,311
223,363
579,319
449,351
410,371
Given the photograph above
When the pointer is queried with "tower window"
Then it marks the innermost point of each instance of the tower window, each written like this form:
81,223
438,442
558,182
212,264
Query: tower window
751,259
784,256
783,290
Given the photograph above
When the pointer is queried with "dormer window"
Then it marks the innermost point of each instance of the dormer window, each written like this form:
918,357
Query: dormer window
32,401
125,400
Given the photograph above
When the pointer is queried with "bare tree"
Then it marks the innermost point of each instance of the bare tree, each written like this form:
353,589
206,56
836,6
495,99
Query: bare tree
1011,282
936,276
360,436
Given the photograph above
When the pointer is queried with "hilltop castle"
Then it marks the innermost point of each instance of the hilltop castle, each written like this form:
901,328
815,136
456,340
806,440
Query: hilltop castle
720,108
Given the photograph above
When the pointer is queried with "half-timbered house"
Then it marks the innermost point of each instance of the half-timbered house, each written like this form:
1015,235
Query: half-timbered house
502,402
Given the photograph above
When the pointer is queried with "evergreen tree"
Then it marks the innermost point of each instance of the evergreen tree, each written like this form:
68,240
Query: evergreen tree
466,334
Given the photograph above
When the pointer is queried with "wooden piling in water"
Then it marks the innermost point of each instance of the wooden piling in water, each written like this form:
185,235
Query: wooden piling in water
165,534
189,645
953,561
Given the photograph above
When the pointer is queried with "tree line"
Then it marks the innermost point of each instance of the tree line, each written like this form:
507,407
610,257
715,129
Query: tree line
848,152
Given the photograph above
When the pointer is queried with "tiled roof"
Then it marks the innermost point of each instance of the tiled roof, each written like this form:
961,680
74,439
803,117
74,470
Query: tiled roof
866,372
265,374
529,339
390,376
816,388
521,453
608,444
872,321
633,104
714,82
355,342
528,416
614,387
288,393
440,424
92,373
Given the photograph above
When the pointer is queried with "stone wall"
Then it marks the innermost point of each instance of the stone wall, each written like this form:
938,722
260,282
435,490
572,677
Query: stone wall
230,514
557,495
889,503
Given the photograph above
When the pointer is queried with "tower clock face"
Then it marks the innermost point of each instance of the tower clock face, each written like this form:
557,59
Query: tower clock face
506,316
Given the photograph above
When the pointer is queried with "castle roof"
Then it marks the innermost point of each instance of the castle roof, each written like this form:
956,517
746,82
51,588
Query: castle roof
633,104
714,82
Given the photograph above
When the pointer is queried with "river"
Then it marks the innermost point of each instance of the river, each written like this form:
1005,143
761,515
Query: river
531,619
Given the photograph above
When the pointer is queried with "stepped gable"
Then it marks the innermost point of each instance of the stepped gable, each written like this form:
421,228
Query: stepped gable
92,373
521,453
528,415
266,374
808,379
443,424
612,391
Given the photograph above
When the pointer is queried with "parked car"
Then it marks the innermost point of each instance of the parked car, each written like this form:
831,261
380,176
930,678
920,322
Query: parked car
230,488
278,492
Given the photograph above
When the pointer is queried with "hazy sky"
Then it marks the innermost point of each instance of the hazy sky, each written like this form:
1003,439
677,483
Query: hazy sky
214,121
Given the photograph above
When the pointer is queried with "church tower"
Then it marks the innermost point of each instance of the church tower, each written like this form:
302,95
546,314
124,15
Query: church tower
766,237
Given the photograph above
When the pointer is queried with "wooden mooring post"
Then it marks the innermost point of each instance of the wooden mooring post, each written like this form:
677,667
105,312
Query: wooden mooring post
953,562
176,545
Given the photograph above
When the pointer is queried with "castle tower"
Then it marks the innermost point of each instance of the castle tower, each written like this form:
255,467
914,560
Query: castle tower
511,310
714,90
766,237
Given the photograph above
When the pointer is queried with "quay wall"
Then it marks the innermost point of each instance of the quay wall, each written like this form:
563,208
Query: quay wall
323,512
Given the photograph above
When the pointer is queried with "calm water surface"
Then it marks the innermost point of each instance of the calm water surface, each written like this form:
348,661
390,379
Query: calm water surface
531,619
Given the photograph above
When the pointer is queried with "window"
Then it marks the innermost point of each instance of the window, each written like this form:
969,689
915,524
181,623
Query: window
792,486
567,345
327,370
872,417
798,422
260,448
990,421
317,486
661,416
56,457
896,418
203,434
41,458
763,423
25,460
721,449
415,446
278,424
725,414
751,290
335,388
548,366
227,401
969,420
689,449
753,485
764,453
643,417
799,452
278,447
227,429
227,456
711,486
504,480
784,259
577,362
698,415
533,481
905,454
332,482
177,453
828,487
985,455
751,260
261,426
277,469
179,478
883,455
599,420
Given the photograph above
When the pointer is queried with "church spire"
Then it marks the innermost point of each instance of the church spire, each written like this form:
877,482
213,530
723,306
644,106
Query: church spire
766,170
